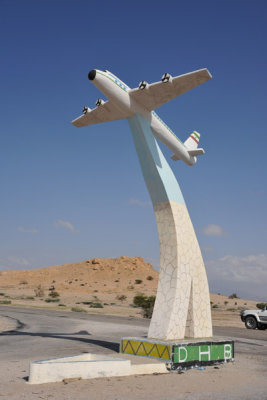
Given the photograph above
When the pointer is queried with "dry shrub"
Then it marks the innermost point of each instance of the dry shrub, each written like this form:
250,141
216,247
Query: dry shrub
39,291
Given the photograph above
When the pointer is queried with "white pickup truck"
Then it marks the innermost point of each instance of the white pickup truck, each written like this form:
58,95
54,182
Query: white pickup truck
255,318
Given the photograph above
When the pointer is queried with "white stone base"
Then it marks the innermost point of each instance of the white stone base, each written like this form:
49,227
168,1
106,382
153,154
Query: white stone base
88,366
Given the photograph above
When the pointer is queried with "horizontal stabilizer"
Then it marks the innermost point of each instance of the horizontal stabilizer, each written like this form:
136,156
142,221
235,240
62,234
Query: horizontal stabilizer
196,152
175,158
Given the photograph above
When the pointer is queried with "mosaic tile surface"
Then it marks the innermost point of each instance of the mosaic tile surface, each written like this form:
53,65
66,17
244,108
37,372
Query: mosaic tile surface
182,305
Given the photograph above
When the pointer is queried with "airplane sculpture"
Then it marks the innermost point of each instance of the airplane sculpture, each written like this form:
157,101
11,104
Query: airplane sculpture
125,102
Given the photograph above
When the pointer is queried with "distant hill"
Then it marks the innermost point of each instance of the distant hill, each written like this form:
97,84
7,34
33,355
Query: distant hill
99,273
100,285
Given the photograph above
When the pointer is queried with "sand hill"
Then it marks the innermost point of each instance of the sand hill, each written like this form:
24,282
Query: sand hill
99,285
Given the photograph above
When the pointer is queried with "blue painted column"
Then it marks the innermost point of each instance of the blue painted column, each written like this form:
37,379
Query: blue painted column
160,180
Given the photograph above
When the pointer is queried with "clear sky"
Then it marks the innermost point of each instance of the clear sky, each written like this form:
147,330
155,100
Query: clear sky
70,194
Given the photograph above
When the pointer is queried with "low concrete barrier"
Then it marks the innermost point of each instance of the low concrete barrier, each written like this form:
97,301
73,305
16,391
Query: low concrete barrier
88,366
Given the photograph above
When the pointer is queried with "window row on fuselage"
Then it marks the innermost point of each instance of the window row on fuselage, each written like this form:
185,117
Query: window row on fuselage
117,81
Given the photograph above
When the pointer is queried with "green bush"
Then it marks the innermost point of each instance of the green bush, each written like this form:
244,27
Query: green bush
233,296
53,294
2,294
52,300
138,281
146,303
149,278
77,309
96,305
62,305
261,305
5,302
29,298
139,300
215,306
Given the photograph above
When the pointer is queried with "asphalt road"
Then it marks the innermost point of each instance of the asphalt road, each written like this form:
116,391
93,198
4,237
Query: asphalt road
44,334
49,333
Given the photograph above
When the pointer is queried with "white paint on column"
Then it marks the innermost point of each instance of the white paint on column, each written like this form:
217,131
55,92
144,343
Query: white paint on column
182,307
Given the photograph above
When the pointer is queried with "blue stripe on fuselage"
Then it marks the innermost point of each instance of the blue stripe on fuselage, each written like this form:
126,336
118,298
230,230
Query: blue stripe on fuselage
118,81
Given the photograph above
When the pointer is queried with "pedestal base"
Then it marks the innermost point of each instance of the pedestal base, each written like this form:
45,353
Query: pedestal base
181,353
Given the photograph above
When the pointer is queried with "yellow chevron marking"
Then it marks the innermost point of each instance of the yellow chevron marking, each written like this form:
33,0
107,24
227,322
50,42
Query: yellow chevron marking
147,349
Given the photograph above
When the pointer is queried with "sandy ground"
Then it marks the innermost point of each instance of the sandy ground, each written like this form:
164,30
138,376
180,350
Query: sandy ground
209,384
236,381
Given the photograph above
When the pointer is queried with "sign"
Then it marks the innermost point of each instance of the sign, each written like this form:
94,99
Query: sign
203,353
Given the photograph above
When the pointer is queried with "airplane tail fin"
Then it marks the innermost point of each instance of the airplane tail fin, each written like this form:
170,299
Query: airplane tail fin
193,140
191,145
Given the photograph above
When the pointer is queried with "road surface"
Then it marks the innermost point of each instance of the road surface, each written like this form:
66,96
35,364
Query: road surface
43,334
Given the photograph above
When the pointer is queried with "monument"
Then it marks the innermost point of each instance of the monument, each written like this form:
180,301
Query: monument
182,306
180,330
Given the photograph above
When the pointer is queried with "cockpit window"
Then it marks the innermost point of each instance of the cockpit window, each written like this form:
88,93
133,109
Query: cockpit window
104,70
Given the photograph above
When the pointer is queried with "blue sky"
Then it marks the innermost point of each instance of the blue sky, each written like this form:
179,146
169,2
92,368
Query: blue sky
71,194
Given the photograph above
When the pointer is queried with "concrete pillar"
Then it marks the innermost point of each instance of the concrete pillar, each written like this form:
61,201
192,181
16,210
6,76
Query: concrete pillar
182,307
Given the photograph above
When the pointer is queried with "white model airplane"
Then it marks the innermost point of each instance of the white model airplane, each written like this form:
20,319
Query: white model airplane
124,102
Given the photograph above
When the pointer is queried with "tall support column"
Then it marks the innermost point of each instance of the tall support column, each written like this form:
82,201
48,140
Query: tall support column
182,307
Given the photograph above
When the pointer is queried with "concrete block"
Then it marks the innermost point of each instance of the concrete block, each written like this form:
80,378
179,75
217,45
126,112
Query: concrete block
84,366
181,353
89,366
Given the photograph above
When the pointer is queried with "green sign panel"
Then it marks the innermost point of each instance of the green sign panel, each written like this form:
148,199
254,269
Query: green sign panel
203,353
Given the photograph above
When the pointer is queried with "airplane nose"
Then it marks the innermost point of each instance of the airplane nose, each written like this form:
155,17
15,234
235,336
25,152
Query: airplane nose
92,75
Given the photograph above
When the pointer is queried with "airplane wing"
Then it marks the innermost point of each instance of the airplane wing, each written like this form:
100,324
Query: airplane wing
105,112
159,93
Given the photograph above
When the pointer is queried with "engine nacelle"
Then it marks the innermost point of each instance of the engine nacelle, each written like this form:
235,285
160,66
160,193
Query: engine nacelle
143,85
86,110
99,102
166,78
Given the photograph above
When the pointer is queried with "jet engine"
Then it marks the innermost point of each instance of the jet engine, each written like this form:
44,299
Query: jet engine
143,85
166,78
86,110
99,102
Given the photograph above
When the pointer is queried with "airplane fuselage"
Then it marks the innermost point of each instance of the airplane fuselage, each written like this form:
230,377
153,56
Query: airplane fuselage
117,91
